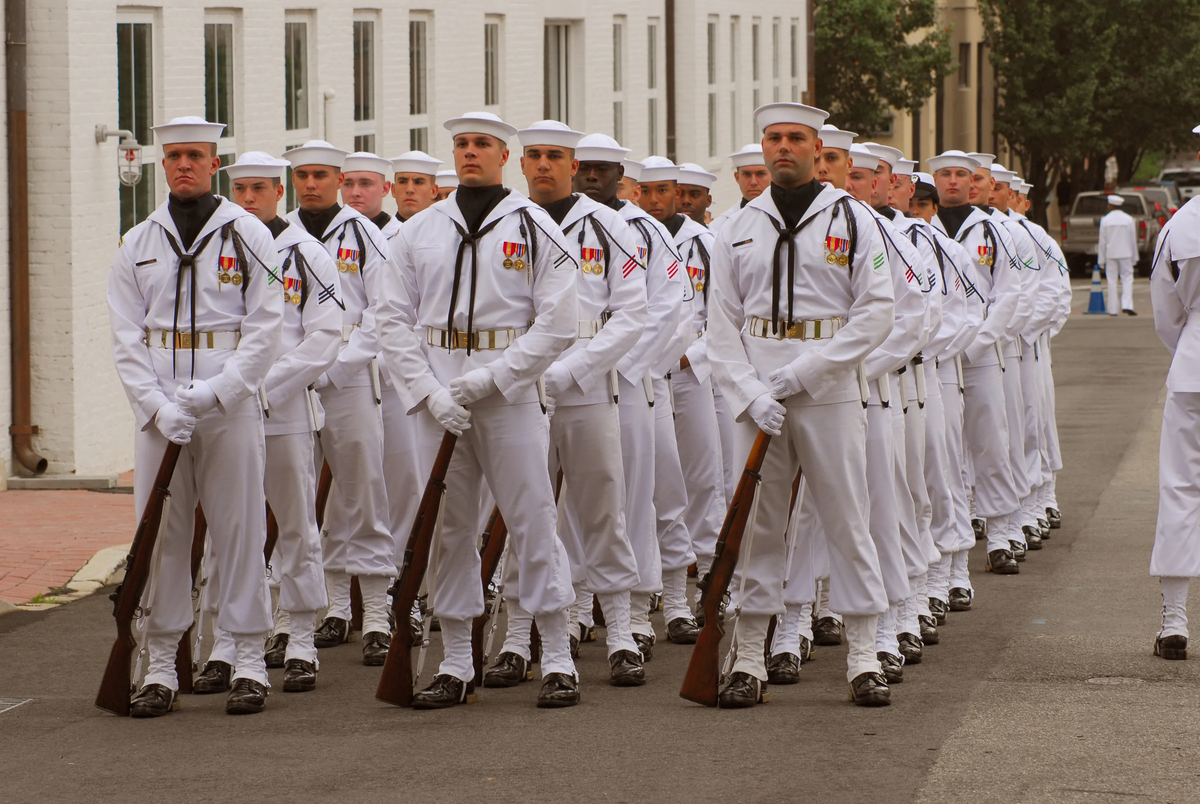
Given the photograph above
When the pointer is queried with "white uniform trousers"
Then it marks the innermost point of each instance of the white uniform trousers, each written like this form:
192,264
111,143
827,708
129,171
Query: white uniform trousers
725,428
1176,551
937,465
638,465
291,490
986,442
402,469
957,458
222,469
1119,273
914,462
881,486
916,560
1014,409
1053,452
360,540
1032,396
699,443
670,492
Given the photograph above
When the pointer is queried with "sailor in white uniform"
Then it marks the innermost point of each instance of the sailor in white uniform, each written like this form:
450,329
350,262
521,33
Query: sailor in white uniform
447,182
414,183
1116,253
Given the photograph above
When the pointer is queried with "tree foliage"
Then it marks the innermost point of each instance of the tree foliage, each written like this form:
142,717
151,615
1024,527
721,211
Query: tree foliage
876,55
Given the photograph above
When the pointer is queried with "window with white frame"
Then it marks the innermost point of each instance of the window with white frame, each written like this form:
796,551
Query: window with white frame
418,81
136,109
220,93
493,61
653,31
775,25
562,91
297,98
619,79
365,58
795,53
712,85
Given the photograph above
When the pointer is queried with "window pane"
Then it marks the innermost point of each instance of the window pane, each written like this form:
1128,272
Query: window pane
418,139
618,121
556,101
652,56
295,70
712,53
733,46
618,57
733,121
365,142
418,100
775,50
964,64
364,70
754,51
135,86
653,121
220,182
795,50
218,75
137,202
712,124
491,64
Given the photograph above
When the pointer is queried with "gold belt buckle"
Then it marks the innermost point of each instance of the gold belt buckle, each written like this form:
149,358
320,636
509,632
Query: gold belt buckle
183,340
796,330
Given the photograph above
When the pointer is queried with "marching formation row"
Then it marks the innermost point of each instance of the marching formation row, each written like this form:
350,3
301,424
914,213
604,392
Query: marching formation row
586,369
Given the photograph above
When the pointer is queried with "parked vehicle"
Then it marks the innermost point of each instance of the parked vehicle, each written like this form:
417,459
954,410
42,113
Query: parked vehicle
1081,229
1165,198
1186,179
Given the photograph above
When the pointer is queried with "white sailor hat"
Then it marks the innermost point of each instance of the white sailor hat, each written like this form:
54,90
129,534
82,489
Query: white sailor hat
952,159
904,167
362,161
633,169
797,113
316,152
550,132
1000,173
886,153
834,137
599,148
691,173
1116,200
1015,183
658,168
985,160
416,162
922,176
863,158
1196,130
446,179
256,165
480,123
749,156
188,129
1025,188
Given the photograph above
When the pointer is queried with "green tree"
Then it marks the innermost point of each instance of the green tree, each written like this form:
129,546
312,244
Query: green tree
877,55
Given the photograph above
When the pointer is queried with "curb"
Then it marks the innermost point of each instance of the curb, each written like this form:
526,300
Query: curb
105,568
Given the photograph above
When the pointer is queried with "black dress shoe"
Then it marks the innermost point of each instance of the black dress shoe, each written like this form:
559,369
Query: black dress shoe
929,632
827,631
574,646
893,667
509,670
1171,647
558,690
299,676
682,631
276,653
870,689
153,700
1043,528
1018,550
939,610
247,697
333,631
655,602
1000,562
960,599
1129,312
444,692
980,528
910,648
742,692
806,650
375,648
645,645
1033,537
783,668
1054,518
626,669
699,618
213,679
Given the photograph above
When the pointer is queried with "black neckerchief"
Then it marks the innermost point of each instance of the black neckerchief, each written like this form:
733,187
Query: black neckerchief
381,220
794,202
190,215
985,208
886,212
476,202
743,203
954,217
277,225
399,218
315,223
674,224
614,203
558,209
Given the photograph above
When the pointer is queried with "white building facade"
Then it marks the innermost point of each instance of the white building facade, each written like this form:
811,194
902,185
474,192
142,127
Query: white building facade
378,76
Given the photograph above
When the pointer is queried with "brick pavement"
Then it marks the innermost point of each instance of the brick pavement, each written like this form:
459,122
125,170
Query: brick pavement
47,536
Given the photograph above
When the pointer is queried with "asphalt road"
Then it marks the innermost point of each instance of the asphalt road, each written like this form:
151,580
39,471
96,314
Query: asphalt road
1046,692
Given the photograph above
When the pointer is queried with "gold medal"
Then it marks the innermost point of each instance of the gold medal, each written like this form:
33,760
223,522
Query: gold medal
235,279
353,267
586,266
519,264
342,266
224,278
830,258
295,298
508,263
700,286
843,259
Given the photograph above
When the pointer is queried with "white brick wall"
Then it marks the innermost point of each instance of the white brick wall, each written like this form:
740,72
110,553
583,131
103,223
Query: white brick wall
85,422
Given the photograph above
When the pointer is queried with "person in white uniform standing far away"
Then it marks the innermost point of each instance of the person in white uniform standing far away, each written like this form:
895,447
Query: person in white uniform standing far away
1116,253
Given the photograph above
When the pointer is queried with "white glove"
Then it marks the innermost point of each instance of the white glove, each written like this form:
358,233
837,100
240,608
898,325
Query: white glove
197,399
321,381
472,386
767,414
449,414
551,406
784,382
558,379
174,423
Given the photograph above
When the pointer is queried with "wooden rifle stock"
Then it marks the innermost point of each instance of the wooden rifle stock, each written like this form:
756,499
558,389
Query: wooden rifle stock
183,655
489,553
396,680
117,684
702,682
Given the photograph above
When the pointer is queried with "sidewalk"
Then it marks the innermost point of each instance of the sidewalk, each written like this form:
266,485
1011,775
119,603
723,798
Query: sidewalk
47,536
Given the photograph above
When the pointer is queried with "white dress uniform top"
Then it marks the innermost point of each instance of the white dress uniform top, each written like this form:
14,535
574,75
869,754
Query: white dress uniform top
1175,294
825,426
230,343
523,317
749,156
360,540
1116,252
